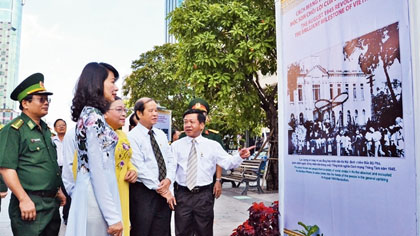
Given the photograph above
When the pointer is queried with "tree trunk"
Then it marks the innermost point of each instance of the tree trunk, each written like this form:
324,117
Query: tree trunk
272,176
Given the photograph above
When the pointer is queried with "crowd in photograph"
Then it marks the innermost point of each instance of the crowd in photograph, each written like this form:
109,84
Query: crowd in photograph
326,137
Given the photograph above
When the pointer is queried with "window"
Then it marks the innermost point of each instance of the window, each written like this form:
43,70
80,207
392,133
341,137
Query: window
349,122
300,93
362,92
316,92
331,91
347,88
356,116
338,89
354,92
364,116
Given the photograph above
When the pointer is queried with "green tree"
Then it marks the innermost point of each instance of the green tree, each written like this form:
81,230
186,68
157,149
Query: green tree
222,46
154,76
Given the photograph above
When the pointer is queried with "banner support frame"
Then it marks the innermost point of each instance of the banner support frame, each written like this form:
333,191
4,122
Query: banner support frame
414,19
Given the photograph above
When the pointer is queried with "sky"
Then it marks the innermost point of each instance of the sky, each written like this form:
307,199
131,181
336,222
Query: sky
60,37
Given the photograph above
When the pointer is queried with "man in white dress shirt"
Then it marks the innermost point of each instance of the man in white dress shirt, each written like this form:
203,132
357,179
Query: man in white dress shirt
151,197
60,127
196,164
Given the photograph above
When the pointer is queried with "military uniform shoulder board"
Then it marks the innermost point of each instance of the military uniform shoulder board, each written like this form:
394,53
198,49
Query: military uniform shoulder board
17,124
213,131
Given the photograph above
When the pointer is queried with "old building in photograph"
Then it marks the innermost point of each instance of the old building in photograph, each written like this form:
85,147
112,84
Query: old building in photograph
342,97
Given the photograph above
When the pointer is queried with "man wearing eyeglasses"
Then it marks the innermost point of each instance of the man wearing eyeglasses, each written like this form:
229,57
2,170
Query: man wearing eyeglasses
28,163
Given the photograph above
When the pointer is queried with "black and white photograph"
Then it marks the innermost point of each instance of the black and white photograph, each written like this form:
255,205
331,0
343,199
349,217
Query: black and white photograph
347,99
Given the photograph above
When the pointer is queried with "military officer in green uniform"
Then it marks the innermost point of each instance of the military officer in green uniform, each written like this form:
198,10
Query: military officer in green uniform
201,104
28,163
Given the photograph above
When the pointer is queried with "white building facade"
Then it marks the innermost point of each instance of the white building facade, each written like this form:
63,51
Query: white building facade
170,5
10,31
340,96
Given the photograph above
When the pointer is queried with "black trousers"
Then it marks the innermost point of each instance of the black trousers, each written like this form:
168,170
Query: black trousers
194,214
149,212
66,208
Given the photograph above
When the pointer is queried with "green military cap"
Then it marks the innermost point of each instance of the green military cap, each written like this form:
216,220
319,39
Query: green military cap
199,104
34,84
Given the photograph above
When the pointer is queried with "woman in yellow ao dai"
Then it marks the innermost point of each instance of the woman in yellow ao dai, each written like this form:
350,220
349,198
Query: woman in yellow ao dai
124,170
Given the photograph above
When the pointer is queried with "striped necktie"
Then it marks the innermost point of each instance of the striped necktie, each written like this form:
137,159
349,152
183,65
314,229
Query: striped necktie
192,167
158,156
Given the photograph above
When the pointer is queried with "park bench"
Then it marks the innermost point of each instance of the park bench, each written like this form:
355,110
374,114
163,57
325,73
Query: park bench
249,171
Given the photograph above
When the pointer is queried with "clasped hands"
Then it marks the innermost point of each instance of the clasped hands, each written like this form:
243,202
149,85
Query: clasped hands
163,190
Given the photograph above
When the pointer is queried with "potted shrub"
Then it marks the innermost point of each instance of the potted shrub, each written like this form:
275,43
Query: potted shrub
262,220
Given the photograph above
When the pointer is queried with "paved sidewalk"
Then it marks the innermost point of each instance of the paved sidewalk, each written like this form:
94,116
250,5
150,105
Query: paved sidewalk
230,210
5,229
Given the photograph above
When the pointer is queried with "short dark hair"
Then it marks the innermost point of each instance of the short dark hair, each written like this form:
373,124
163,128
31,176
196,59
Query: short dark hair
139,106
27,98
133,123
55,122
200,115
90,88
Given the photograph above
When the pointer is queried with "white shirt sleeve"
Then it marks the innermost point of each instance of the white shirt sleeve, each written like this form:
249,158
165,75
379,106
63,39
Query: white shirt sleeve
223,158
141,159
69,149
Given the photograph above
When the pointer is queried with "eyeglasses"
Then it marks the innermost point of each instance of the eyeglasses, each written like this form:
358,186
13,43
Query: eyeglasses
42,100
120,110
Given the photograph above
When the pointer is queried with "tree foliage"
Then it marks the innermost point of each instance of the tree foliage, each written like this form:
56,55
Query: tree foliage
222,46
154,76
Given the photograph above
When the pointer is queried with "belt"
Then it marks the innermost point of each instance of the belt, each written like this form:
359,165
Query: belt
196,189
43,193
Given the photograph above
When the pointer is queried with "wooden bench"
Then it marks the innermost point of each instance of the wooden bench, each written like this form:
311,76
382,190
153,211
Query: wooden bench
248,171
